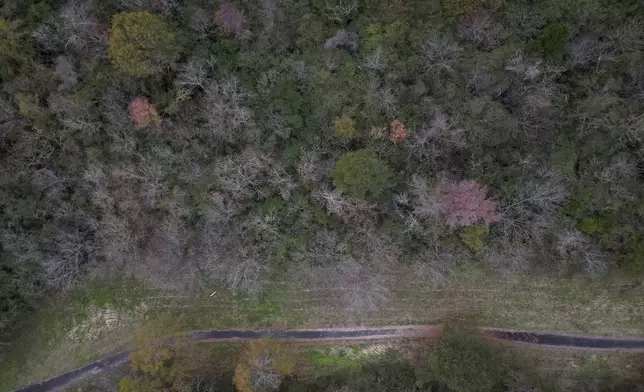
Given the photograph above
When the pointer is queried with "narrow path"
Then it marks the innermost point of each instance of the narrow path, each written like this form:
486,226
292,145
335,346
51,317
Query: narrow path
432,332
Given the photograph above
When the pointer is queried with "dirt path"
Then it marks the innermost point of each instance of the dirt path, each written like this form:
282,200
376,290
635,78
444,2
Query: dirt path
431,332
564,341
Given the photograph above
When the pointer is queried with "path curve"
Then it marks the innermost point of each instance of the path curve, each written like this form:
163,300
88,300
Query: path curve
432,332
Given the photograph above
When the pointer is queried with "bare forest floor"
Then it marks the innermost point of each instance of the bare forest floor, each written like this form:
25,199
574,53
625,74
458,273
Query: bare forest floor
103,319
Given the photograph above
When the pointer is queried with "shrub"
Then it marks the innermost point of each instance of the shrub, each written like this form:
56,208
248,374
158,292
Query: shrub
473,238
361,174
141,43
344,126
466,364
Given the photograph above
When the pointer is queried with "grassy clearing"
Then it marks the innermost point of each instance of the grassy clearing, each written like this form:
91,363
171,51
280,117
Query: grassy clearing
56,340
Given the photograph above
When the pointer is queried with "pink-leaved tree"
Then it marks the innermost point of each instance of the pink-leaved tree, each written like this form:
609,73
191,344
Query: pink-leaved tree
143,114
231,20
465,204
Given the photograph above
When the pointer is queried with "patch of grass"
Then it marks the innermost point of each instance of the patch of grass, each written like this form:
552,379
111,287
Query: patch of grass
340,359
226,310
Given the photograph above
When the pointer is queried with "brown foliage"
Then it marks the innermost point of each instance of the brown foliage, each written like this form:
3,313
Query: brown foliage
398,132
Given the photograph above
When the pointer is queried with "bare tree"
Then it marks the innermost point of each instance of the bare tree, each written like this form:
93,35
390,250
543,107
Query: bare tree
201,22
200,384
252,173
438,265
263,376
340,10
427,204
575,249
588,50
618,176
344,206
437,137
361,288
627,37
381,99
510,259
194,73
74,253
247,274
166,7
529,218
326,248
596,262
481,29
74,115
74,28
148,176
223,109
441,53
529,22
119,241
480,80
114,110
633,128
530,69
376,61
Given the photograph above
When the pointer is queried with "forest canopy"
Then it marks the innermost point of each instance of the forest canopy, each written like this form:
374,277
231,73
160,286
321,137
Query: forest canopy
180,142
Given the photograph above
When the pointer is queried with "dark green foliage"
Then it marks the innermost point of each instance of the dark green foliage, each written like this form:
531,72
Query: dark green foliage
467,364
553,39
18,290
361,174
633,261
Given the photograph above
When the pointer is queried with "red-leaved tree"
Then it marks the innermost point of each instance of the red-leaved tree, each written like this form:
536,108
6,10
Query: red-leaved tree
465,204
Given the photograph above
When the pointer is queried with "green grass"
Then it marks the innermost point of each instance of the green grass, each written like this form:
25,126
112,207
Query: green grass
339,360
